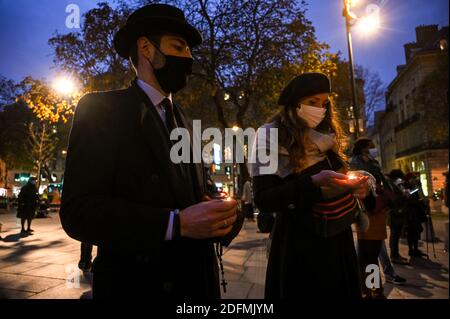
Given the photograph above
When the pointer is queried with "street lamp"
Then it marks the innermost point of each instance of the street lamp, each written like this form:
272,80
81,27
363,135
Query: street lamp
64,85
235,128
366,24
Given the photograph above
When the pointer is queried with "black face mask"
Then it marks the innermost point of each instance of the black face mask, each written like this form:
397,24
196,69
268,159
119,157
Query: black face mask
173,76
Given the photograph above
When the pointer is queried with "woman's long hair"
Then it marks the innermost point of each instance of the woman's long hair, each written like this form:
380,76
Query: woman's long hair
293,133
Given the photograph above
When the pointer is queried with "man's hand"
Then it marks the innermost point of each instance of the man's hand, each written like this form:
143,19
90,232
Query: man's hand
208,219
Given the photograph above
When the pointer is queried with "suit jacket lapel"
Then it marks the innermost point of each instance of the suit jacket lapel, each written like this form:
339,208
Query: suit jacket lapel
157,138
199,168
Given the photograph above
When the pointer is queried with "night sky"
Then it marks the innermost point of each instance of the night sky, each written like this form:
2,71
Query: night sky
26,26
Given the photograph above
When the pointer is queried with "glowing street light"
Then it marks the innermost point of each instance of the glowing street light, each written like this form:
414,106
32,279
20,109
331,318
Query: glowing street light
235,128
367,25
354,3
64,85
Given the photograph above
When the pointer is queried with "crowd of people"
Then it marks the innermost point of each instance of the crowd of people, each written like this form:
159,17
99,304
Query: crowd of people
124,194
400,205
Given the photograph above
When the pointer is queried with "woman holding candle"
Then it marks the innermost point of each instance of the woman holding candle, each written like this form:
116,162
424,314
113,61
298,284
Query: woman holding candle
312,252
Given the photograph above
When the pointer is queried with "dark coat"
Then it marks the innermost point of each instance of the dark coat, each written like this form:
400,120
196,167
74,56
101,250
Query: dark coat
119,187
301,263
28,201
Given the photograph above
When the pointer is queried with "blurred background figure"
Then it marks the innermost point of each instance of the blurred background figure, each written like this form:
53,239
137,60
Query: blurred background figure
396,217
28,202
247,199
446,201
390,274
44,204
210,185
416,214
370,242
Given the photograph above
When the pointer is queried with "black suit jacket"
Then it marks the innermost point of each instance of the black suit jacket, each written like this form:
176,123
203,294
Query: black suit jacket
119,187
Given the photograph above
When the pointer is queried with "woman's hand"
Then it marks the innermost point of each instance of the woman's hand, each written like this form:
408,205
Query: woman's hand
358,186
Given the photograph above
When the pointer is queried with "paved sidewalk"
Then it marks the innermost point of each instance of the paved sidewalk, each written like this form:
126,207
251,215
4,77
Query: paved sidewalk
39,265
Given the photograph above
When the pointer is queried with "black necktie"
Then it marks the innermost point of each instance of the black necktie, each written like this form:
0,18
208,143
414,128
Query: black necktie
171,124
170,117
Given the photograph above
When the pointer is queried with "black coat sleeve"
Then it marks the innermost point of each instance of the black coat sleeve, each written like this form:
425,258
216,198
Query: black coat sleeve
91,209
275,194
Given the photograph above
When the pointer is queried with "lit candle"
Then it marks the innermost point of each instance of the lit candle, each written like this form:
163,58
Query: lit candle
352,176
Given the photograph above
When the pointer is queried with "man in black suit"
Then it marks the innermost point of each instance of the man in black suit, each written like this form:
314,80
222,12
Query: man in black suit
153,224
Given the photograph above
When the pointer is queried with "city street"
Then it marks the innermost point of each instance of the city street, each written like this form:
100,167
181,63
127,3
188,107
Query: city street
39,265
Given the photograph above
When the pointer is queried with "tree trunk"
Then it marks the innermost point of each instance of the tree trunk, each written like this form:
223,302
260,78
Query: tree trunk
40,156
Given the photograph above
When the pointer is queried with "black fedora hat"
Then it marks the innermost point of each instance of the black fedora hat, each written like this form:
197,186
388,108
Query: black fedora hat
154,18
304,85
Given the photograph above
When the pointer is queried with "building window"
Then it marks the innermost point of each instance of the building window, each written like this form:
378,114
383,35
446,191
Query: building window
422,166
217,154
228,154
424,182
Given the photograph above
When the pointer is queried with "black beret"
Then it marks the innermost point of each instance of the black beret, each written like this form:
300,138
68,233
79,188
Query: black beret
304,85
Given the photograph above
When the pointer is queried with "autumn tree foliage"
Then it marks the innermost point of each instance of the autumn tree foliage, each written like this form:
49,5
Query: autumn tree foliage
52,109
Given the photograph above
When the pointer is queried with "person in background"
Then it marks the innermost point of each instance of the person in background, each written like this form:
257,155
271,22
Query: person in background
370,242
446,202
395,219
396,214
247,200
28,202
210,185
44,204
390,274
416,206
446,195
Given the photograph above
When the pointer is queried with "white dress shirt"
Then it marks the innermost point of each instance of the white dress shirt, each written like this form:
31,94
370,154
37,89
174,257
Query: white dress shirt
156,97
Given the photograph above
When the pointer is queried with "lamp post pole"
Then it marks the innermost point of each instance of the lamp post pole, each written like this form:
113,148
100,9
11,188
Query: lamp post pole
351,66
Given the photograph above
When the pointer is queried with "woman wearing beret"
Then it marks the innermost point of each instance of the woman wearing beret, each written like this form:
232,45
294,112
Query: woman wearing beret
312,250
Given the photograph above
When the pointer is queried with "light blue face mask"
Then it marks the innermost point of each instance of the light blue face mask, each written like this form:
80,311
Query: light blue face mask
373,152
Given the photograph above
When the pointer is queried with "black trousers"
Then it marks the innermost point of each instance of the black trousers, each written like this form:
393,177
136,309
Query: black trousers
248,209
394,238
368,255
86,253
413,241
